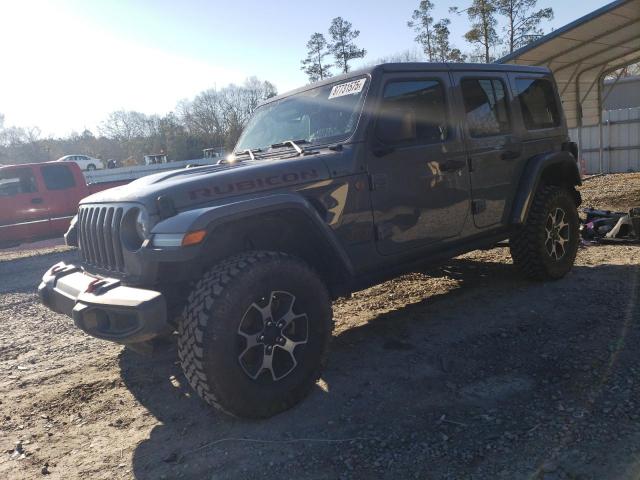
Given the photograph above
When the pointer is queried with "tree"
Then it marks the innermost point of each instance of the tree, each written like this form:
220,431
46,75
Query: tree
422,23
523,21
313,65
442,49
217,117
213,118
124,125
342,46
630,70
404,56
482,14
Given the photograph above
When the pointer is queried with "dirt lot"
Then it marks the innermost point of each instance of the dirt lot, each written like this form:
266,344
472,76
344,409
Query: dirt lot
464,371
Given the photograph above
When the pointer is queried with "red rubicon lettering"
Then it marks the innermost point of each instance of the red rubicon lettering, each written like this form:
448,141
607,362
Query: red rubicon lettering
200,192
253,184
272,180
245,185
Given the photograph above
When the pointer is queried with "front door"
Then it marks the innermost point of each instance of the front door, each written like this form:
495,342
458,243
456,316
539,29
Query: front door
23,211
493,151
418,169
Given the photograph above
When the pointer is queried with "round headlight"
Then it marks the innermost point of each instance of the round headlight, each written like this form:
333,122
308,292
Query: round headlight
142,224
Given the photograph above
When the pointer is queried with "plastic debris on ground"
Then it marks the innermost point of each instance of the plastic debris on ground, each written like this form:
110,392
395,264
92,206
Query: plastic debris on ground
605,226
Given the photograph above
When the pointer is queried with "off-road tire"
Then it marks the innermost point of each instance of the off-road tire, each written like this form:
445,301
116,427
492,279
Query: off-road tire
528,243
208,333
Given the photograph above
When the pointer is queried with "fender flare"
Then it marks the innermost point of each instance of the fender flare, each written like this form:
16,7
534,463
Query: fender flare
532,175
213,217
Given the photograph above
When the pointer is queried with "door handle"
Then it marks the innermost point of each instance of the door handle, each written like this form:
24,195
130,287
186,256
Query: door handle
36,200
510,155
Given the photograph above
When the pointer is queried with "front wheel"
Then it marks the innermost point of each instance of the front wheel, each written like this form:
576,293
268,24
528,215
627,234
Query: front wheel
545,247
254,335
91,167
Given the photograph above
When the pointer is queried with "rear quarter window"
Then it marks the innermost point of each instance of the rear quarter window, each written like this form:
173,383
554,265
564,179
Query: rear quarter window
538,103
57,177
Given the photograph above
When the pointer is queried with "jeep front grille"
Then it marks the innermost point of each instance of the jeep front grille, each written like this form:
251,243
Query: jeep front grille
99,236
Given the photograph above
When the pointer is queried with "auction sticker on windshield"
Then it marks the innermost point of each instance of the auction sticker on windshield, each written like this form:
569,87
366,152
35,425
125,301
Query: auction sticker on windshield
348,88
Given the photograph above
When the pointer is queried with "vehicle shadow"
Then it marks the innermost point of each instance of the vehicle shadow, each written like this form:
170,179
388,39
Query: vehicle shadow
392,379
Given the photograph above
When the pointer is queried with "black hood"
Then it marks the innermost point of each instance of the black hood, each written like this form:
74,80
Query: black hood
188,187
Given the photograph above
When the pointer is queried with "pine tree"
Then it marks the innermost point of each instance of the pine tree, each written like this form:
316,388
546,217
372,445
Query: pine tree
523,23
482,14
422,23
443,51
342,46
313,65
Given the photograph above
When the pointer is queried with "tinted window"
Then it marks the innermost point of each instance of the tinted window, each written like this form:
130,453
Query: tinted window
485,105
57,177
17,180
412,111
538,103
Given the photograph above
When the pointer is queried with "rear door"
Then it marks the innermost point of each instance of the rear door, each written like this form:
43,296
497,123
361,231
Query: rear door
23,210
419,181
493,148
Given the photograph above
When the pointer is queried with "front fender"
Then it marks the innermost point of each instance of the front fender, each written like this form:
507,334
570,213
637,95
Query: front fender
555,167
213,217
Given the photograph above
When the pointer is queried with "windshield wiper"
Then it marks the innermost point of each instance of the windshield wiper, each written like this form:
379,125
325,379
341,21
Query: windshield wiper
293,143
249,151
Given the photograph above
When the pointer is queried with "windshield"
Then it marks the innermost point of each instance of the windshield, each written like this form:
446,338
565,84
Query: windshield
325,114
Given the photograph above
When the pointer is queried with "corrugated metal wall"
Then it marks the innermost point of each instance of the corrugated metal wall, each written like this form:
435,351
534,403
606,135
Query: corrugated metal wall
620,141
625,93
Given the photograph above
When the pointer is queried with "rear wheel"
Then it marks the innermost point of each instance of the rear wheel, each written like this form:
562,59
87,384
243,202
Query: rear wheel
254,335
545,247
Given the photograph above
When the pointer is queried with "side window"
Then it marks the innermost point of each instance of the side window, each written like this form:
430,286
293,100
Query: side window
413,110
16,181
485,106
538,103
57,177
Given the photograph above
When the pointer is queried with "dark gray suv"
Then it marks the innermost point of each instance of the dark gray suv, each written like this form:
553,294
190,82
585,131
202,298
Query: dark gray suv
332,188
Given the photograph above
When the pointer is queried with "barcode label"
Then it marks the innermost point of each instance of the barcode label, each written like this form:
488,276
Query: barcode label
348,88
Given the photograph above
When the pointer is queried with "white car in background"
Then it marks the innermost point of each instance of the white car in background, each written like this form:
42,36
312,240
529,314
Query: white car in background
85,162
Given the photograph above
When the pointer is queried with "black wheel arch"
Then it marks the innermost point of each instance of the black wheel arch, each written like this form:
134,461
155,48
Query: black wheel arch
551,168
288,224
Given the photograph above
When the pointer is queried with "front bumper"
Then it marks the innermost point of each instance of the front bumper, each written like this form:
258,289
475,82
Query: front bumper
103,307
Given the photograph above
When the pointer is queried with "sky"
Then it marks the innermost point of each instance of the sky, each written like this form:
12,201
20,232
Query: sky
66,64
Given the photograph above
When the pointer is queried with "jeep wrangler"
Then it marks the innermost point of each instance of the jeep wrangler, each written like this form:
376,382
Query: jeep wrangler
331,188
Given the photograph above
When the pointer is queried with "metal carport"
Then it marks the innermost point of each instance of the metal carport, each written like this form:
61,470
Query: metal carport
581,53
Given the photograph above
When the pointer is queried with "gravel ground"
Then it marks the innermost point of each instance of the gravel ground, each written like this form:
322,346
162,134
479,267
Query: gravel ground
462,371
618,191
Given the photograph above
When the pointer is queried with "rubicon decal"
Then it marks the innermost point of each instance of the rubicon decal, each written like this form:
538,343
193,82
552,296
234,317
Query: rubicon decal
253,184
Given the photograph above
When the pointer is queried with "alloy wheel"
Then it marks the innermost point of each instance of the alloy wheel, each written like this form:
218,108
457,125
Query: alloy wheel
269,335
